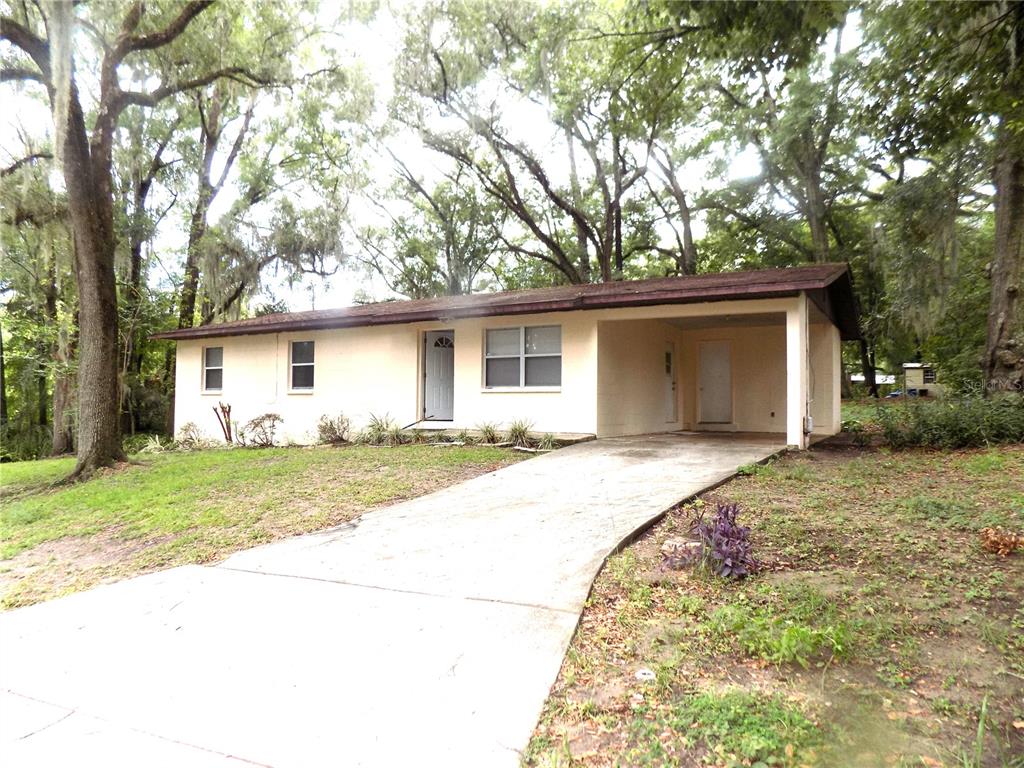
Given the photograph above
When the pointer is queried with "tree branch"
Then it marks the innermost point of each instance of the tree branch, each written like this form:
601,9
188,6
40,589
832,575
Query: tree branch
11,74
127,42
22,37
23,161
238,74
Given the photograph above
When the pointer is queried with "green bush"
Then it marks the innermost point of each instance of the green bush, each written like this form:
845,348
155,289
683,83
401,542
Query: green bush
954,423
24,443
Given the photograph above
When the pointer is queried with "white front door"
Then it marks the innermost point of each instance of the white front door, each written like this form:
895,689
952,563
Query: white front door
439,376
671,414
715,382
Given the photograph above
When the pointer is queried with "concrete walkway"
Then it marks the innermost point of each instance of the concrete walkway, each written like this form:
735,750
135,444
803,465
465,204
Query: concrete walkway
425,633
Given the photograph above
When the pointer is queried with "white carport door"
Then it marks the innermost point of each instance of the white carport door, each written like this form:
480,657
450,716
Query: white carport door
439,376
715,381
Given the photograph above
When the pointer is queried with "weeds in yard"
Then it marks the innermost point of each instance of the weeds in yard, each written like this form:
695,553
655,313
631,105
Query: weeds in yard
739,727
519,433
260,432
779,638
489,433
190,438
155,444
333,430
382,430
754,470
547,442
975,757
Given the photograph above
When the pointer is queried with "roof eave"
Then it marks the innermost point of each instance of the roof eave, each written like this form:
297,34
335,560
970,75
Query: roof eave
520,308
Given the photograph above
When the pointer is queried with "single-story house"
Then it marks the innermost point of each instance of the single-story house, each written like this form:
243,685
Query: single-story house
755,351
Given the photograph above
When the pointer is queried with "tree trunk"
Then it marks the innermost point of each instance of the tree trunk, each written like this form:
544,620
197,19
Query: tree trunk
617,204
50,291
63,395
689,248
816,215
3,383
1004,347
42,397
133,300
90,203
583,255
190,283
686,261
867,364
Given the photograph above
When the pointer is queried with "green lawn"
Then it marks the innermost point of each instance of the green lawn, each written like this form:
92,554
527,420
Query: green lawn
875,634
175,508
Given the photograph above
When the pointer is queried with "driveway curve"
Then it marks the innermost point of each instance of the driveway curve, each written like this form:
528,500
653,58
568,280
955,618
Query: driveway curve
425,633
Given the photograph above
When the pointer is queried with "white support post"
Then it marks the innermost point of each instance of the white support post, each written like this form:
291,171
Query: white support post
796,372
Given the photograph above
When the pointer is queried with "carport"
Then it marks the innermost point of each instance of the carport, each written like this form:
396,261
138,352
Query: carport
768,366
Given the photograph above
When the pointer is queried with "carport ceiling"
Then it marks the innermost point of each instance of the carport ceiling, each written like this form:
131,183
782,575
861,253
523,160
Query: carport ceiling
727,321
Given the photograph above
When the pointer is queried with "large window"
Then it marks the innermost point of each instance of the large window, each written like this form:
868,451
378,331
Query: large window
302,364
213,369
523,357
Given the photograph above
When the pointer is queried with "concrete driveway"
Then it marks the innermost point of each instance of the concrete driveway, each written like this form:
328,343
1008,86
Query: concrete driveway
425,633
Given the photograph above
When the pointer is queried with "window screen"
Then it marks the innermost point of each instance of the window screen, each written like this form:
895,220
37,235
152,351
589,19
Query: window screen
213,368
302,364
523,357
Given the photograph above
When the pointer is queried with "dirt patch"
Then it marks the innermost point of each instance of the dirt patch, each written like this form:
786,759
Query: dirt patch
67,565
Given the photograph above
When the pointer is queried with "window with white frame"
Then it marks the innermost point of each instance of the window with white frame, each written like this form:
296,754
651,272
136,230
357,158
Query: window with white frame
523,357
213,369
302,355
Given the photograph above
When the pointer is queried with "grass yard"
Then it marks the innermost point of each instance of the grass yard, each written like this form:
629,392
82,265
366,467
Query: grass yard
175,508
876,634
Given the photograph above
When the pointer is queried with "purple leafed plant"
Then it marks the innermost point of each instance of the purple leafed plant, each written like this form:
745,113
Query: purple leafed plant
726,546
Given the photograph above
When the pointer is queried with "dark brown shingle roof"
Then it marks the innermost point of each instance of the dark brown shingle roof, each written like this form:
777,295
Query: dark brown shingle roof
829,282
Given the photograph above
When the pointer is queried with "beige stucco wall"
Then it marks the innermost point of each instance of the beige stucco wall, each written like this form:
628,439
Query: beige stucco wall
377,371
359,371
569,408
824,363
631,381
758,377
612,374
